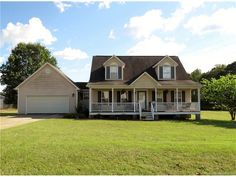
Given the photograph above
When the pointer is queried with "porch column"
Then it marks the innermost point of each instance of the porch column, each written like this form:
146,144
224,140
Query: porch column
112,99
134,98
147,100
199,99
177,101
156,99
90,99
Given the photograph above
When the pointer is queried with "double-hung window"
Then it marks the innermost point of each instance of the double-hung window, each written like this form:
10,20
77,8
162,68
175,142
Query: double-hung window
113,72
166,72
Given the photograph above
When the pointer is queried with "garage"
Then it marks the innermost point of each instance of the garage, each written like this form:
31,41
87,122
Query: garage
47,104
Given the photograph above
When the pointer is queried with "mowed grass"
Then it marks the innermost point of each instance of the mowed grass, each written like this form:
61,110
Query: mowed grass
95,147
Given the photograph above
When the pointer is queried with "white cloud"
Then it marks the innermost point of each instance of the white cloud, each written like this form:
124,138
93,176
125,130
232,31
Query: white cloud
104,4
112,35
71,54
62,6
154,45
221,21
152,20
34,31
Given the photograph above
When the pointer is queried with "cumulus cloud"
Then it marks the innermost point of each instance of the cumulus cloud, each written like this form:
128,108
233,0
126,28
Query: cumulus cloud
219,21
154,45
104,4
62,6
71,54
34,31
152,20
112,35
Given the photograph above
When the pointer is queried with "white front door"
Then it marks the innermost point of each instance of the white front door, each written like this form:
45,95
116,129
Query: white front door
142,99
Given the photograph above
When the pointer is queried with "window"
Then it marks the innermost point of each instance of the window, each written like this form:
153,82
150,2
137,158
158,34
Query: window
84,95
179,96
113,72
105,96
124,96
166,72
159,96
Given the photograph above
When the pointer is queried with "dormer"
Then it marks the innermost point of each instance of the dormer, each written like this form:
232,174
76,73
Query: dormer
166,69
114,68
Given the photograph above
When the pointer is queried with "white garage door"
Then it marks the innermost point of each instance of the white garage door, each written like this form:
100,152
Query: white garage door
47,104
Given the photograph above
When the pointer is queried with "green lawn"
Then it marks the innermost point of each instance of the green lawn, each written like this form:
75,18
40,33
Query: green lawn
74,147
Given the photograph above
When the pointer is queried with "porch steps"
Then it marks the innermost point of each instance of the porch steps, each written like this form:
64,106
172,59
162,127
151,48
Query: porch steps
147,116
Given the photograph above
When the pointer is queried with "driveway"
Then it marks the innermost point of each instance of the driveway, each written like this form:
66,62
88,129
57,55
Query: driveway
12,121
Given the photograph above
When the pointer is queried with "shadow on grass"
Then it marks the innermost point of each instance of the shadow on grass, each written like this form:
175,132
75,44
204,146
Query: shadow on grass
216,123
8,114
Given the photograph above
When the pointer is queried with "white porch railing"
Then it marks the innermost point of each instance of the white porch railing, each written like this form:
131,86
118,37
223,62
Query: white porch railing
172,106
117,107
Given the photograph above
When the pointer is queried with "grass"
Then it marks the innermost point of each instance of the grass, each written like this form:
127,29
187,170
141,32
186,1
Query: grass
8,112
95,147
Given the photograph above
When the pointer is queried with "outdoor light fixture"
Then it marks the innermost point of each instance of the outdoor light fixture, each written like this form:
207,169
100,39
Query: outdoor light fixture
73,94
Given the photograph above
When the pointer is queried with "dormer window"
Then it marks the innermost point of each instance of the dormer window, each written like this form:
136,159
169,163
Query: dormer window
166,72
113,72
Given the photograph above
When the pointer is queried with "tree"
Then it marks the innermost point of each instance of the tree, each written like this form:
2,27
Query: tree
196,75
23,61
222,92
216,72
230,68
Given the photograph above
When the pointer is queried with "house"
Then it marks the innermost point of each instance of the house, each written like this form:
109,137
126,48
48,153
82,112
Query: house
143,86
47,90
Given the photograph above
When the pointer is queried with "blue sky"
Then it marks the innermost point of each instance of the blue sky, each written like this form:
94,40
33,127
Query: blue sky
201,33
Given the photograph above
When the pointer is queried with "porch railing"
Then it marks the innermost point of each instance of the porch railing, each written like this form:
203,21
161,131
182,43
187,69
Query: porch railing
174,107
117,107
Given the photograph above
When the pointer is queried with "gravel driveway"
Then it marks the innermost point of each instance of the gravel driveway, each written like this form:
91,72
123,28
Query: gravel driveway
12,121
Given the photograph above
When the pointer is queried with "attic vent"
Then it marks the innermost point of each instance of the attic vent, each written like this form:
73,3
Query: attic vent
47,71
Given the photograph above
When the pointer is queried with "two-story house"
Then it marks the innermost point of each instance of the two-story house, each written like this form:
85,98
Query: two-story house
146,86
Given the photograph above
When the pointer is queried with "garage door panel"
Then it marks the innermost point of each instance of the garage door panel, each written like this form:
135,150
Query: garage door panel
47,104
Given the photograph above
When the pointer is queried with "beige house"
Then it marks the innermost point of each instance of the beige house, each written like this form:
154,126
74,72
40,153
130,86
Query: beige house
146,86
48,90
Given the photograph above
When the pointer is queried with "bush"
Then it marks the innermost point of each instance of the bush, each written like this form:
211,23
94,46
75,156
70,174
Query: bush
70,116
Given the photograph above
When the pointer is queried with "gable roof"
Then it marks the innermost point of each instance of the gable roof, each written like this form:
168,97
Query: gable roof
113,57
53,67
145,73
166,57
134,67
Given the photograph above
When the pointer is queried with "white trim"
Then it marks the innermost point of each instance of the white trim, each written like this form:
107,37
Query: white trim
26,103
90,99
113,56
176,64
157,72
134,99
112,99
56,69
148,76
177,99
156,99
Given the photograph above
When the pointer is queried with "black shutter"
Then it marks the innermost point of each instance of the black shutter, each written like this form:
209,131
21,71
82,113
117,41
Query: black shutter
129,96
110,96
172,96
108,72
161,72
153,95
183,96
172,72
99,96
119,73
118,96
165,96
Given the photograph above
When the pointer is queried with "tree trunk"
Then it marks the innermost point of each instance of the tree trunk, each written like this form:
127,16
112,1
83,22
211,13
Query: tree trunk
232,113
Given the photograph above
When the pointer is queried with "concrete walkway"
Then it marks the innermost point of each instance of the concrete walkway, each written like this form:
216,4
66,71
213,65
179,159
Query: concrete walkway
12,121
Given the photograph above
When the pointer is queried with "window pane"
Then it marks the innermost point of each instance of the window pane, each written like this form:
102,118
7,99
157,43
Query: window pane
113,72
166,72
105,96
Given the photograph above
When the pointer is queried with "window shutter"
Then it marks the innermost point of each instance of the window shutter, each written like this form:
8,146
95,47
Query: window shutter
172,96
108,72
165,96
153,95
118,96
99,96
129,96
183,96
110,96
161,72
119,72
172,72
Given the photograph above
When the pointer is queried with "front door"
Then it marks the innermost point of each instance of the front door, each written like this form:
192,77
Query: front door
142,99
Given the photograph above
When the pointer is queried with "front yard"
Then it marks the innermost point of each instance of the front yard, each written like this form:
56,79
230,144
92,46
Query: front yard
76,147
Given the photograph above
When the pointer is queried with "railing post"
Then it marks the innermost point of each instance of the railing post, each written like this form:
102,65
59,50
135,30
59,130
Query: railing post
134,98
156,99
177,101
199,99
90,99
112,99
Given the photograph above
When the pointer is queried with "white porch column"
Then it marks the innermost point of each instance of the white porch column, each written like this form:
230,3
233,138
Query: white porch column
177,101
199,99
134,98
90,99
112,99
156,99
147,100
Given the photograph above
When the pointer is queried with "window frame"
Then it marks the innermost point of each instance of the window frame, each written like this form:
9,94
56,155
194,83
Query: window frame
102,98
117,72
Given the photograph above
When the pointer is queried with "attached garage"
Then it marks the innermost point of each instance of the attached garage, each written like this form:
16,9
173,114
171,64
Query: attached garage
48,90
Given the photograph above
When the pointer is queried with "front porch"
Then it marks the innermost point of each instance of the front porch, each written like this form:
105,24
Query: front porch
144,101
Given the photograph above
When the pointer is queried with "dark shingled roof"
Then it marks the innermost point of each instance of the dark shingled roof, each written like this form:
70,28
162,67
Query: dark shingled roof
134,67
81,85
